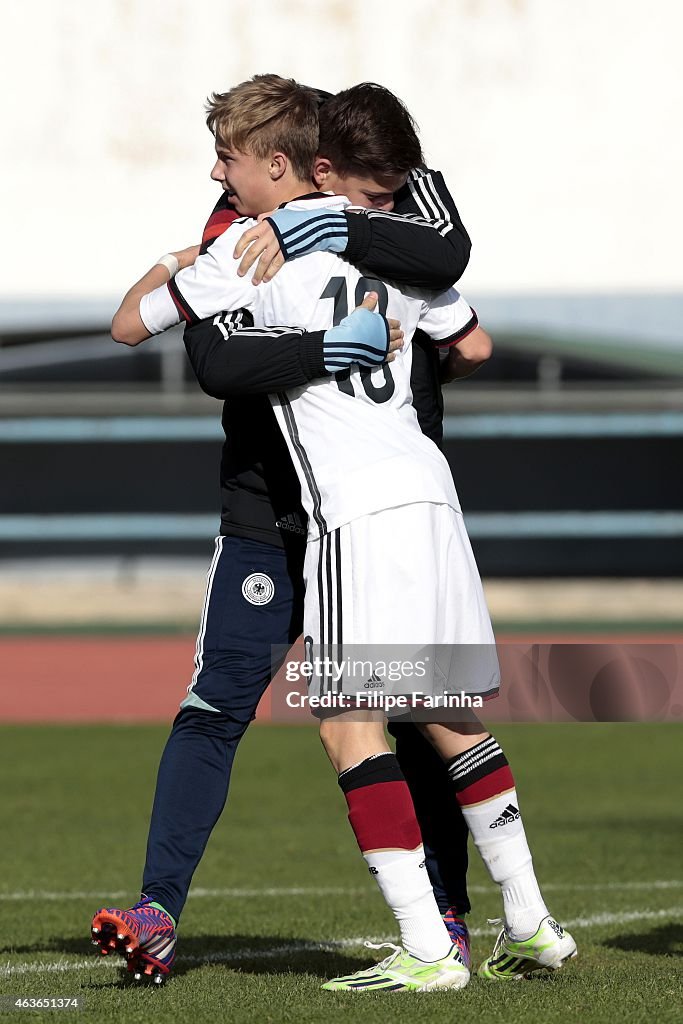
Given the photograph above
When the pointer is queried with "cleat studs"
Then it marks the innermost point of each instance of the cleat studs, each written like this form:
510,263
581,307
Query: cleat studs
120,936
129,949
158,979
137,976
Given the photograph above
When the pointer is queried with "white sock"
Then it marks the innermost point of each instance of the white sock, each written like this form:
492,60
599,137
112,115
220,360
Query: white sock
403,881
498,833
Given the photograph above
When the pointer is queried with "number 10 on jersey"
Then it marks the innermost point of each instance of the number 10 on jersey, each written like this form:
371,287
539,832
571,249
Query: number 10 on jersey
337,290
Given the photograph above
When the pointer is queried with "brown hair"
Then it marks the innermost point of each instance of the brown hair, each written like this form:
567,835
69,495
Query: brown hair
266,114
367,130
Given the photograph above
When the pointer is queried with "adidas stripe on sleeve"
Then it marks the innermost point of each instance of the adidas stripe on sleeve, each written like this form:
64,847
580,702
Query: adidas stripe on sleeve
424,191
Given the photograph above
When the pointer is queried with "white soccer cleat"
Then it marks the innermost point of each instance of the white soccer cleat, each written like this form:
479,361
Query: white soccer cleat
549,948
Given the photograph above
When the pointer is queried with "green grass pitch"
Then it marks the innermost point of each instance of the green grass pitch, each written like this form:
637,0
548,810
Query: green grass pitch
282,899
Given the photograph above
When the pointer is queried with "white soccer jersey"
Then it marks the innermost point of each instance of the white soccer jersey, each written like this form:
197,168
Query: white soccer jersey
354,437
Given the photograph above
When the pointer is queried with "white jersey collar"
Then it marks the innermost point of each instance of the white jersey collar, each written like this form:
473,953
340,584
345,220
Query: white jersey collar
317,200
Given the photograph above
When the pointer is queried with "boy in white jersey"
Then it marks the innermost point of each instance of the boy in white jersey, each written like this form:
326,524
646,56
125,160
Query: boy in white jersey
388,558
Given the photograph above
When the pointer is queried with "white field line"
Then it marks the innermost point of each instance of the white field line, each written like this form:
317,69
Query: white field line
83,964
199,893
196,893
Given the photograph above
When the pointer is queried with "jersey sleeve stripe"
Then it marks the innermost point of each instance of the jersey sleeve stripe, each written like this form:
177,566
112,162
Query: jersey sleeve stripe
230,321
427,183
414,217
426,203
417,196
453,339
185,310
275,332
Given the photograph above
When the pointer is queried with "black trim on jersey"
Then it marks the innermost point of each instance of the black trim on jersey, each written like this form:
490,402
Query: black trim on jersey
330,607
321,611
330,600
340,618
182,305
293,431
453,339
309,195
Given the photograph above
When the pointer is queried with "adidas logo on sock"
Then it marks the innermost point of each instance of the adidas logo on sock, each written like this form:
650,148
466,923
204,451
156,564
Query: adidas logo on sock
511,813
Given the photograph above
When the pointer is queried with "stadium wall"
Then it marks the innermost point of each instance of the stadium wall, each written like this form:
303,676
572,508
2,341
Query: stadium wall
544,495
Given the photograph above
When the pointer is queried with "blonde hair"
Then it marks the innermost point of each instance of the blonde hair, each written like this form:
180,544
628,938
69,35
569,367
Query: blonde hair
266,114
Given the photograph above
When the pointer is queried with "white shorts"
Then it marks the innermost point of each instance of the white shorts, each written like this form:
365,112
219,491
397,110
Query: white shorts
392,584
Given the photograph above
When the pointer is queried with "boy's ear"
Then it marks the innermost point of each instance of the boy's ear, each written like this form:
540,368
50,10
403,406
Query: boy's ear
321,170
278,166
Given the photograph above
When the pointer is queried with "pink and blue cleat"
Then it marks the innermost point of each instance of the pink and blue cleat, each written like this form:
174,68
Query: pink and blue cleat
144,935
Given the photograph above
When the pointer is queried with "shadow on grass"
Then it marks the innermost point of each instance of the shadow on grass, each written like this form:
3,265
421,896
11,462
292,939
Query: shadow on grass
667,939
251,954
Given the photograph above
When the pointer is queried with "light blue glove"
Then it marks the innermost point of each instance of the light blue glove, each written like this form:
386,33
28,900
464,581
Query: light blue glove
303,231
362,337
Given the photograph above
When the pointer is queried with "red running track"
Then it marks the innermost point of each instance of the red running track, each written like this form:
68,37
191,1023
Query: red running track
89,679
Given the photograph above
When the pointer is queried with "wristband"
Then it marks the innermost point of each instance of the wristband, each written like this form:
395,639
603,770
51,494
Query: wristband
170,262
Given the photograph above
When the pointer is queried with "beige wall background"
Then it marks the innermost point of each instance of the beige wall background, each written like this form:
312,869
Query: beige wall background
557,123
